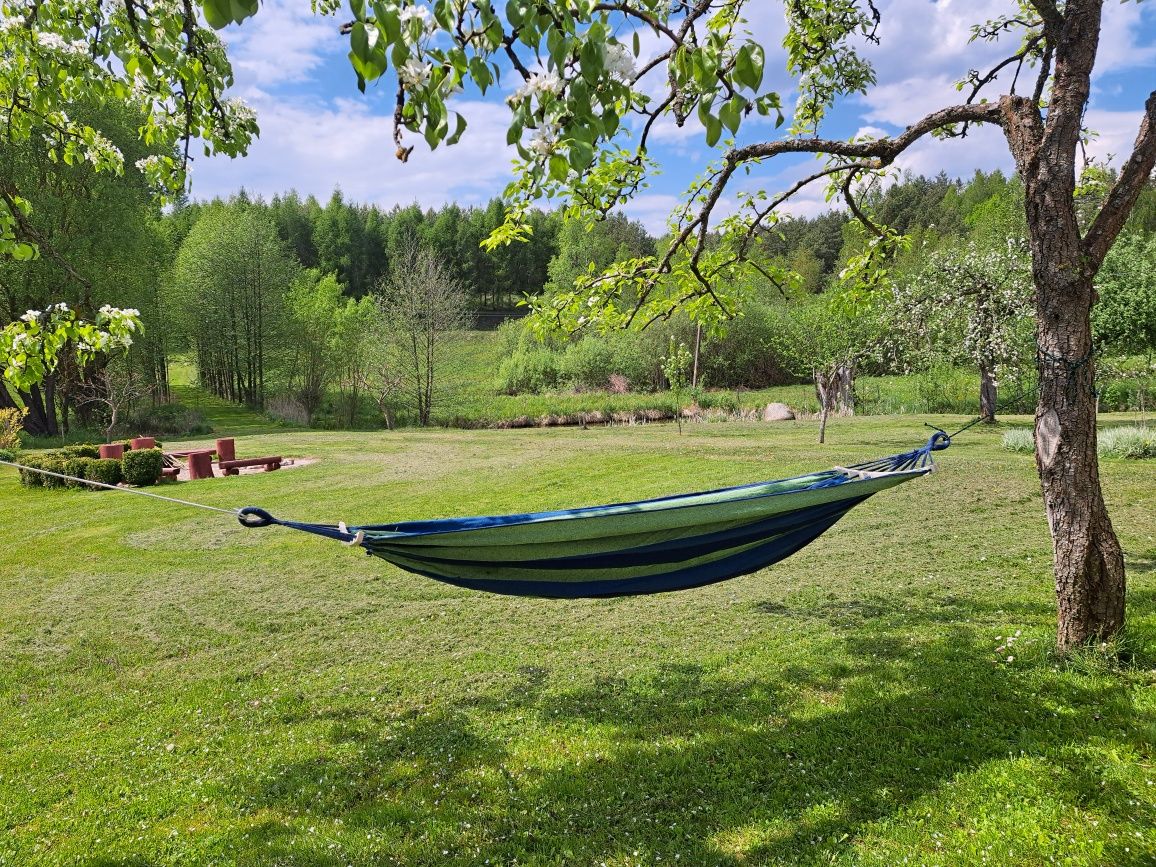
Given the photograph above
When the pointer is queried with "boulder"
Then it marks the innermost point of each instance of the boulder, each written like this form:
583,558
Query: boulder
777,412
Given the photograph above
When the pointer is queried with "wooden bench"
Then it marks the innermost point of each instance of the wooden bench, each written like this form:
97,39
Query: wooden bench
230,465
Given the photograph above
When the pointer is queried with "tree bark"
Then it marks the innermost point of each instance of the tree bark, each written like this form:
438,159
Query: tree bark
1088,561
1089,564
826,390
844,387
988,393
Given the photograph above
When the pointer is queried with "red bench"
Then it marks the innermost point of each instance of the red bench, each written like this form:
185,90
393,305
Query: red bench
227,459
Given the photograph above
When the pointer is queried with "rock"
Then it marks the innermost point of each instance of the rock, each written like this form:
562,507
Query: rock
778,412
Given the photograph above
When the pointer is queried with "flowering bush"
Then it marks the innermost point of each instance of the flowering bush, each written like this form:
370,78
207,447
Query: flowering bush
11,421
31,347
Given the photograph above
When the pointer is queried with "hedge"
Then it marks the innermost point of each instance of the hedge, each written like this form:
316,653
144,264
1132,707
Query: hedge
142,467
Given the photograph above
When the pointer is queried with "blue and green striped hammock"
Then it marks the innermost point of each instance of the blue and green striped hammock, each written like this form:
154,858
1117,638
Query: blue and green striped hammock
651,546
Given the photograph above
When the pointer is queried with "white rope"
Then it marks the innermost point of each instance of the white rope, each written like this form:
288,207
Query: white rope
118,488
862,474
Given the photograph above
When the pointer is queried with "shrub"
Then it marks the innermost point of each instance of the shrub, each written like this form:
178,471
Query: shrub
531,369
1126,395
1019,439
11,422
142,467
7,455
587,363
287,409
54,465
169,418
78,467
105,470
28,478
1128,442
80,450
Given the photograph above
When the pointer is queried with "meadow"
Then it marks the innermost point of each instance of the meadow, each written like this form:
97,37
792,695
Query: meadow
177,689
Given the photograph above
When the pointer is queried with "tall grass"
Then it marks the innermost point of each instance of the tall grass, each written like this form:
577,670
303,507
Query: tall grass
1131,441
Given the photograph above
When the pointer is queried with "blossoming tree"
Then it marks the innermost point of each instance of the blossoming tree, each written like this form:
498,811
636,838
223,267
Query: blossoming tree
35,345
971,303
154,55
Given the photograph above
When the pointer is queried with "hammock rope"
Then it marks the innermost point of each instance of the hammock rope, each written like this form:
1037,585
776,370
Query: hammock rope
136,491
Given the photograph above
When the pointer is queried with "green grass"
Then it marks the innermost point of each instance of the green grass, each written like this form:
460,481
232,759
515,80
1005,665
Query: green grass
176,689
1113,441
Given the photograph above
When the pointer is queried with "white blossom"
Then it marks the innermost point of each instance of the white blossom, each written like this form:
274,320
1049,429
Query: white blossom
414,73
538,84
149,163
31,316
240,110
619,62
413,13
543,141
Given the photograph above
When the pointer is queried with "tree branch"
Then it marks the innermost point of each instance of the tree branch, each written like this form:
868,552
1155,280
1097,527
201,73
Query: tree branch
883,150
1134,175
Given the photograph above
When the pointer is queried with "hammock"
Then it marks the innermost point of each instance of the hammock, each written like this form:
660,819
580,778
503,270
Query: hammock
651,546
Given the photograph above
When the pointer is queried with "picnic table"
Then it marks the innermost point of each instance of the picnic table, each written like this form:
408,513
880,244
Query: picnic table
200,461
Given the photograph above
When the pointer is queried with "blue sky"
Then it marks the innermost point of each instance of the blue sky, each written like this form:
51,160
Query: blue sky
319,132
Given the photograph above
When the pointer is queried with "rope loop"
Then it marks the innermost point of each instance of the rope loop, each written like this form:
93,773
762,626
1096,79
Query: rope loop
938,442
251,516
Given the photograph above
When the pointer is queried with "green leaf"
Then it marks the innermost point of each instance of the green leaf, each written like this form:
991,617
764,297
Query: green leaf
731,113
592,60
559,170
217,13
359,41
581,155
713,130
749,66
458,129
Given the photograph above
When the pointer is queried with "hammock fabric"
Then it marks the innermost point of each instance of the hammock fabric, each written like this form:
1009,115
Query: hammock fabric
652,546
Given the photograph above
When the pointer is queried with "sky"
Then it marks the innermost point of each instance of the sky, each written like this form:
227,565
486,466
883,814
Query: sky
318,132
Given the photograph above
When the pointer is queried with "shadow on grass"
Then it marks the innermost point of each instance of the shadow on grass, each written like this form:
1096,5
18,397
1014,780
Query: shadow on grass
688,766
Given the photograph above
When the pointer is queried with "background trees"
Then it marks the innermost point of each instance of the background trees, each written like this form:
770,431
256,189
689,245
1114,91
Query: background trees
422,306
227,289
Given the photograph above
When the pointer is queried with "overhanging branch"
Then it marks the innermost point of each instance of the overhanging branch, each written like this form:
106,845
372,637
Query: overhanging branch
1134,175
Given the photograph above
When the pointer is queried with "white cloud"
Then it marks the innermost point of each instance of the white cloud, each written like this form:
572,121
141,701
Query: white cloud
314,147
1127,40
1115,133
283,45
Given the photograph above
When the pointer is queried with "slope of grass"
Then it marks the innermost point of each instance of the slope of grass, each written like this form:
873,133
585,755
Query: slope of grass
179,690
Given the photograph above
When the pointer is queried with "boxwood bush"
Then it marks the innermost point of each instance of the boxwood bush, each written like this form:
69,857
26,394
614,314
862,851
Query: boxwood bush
80,450
142,467
78,467
105,470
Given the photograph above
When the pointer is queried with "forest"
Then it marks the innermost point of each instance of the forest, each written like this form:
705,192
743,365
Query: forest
347,314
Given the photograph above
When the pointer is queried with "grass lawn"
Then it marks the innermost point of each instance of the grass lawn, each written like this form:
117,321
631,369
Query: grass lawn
175,689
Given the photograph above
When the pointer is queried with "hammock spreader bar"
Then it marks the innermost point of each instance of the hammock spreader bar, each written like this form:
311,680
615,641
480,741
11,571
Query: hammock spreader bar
650,546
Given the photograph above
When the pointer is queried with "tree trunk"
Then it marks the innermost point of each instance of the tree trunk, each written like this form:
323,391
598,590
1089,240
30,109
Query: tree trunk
987,393
1089,564
844,388
826,390
41,418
